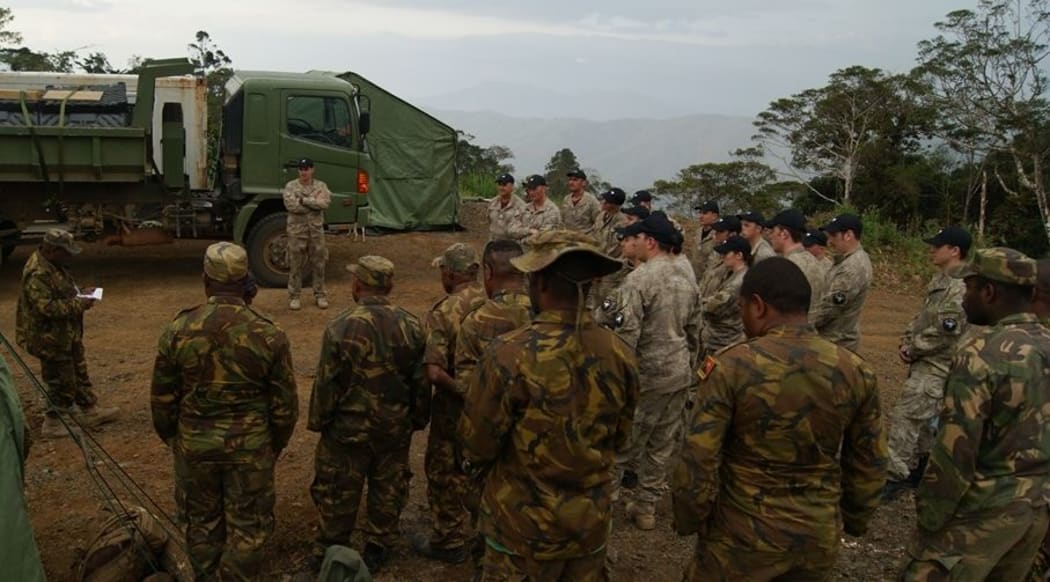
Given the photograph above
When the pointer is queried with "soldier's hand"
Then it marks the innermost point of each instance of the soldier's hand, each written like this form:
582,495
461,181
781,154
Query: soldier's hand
904,354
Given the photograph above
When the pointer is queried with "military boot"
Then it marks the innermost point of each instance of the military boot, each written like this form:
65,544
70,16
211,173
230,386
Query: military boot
322,302
294,304
93,416
53,428
421,544
642,514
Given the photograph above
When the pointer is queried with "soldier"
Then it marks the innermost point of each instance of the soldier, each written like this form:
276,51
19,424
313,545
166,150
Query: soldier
751,224
306,199
224,399
680,259
982,504
1041,308
786,231
721,311
785,443
927,346
715,272
705,238
580,208
540,213
546,506
50,325
633,214
644,199
369,395
661,322
604,231
837,314
816,244
506,210
446,480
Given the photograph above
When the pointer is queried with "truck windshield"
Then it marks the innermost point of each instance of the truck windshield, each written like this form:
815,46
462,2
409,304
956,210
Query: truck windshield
321,119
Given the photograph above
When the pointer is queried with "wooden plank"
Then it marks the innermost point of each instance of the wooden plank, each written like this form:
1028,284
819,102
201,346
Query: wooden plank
72,95
13,94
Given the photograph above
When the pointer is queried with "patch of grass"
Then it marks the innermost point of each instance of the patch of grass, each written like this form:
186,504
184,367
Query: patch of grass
476,186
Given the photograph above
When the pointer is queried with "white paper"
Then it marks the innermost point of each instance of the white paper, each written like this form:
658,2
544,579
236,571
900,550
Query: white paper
96,294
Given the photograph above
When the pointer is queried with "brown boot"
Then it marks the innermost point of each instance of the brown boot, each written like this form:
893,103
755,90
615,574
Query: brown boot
642,514
53,428
94,416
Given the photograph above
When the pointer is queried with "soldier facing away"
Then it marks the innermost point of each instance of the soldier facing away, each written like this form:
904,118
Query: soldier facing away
306,199
548,453
224,399
49,324
816,244
369,396
784,444
837,314
982,504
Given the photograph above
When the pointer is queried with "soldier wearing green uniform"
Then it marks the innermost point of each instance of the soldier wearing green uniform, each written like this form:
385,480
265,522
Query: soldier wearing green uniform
49,324
982,503
446,480
369,395
927,346
548,407
224,399
1041,308
785,443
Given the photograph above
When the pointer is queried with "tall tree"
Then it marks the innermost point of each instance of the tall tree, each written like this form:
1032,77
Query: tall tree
987,73
560,163
487,162
745,183
213,64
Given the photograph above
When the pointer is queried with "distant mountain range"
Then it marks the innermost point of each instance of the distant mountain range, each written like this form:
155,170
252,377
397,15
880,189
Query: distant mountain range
629,153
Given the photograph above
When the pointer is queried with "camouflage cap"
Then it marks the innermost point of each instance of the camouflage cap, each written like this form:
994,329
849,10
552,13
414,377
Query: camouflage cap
62,239
458,258
374,271
547,247
1000,264
225,262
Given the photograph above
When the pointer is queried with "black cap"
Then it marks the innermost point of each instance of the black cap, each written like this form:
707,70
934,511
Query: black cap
842,223
305,163
641,196
614,196
504,179
734,244
640,211
954,235
752,216
815,237
576,173
709,206
534,180
791,219
656,225
727,223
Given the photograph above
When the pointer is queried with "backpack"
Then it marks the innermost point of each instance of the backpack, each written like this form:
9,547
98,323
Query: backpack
116,554
342,564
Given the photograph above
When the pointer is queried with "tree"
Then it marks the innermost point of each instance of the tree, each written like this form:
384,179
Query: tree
213,64
825,130
745,183
8,37
988,81
489,162
560,164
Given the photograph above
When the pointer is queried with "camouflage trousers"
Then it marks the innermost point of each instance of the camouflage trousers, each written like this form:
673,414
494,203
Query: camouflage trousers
340,474
1041,565
912,422
67,380
227,510
999,544
306,248
498,566
448,486
654,437
717,558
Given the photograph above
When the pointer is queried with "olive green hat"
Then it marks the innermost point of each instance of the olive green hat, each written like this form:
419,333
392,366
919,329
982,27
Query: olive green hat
225,262
374,271
547,247
1000,264
458,258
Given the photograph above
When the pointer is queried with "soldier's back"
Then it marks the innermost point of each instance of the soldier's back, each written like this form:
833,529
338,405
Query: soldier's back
503,313
814,271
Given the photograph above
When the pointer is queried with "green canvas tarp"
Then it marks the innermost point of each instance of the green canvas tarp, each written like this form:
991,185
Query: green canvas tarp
415,159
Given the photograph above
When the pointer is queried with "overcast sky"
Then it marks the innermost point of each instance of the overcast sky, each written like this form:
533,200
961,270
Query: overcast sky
616,58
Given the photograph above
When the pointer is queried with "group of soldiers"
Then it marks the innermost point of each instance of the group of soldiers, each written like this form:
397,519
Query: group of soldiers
589,357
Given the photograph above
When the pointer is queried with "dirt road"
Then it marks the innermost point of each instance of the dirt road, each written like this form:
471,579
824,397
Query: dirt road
145,287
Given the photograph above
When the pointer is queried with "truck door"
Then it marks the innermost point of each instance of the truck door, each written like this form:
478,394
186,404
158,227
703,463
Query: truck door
318,125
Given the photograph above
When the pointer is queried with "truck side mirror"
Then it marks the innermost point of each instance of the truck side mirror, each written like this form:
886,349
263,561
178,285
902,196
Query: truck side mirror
364,122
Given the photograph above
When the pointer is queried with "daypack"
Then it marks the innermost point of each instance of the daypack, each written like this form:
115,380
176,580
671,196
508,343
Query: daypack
117,554
342,564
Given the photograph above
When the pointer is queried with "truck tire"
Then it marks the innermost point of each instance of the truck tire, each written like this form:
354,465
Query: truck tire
267,246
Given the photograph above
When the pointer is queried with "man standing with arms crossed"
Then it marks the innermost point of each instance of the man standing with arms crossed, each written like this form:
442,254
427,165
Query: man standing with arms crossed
580,208
505,210
306,199
540,213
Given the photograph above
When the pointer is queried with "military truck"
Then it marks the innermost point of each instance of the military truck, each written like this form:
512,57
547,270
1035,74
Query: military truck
124,158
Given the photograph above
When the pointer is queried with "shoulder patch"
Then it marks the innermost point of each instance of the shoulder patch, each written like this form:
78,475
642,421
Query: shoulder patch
706,367
838,298
950,324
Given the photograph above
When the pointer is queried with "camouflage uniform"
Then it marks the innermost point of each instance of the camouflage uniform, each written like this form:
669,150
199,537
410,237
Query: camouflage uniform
447,484
785,443
815,272
661,322
931,339
50,325
306,205
604,230
541,219
368,397
761,251
705,246
580,214
837,315
721,315
224,398
982,504
505,221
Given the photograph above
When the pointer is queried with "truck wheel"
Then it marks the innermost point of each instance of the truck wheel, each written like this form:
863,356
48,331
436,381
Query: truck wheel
267,246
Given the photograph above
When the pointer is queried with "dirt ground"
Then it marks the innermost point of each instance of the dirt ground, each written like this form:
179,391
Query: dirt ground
146,286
